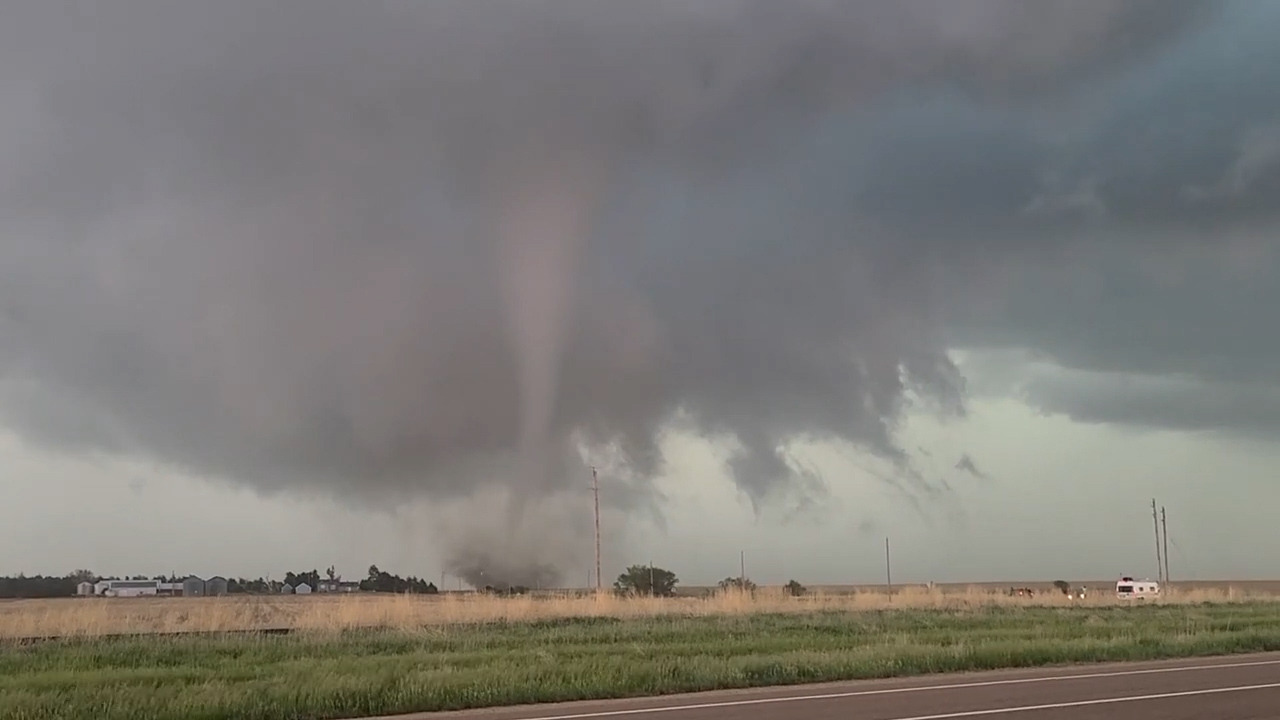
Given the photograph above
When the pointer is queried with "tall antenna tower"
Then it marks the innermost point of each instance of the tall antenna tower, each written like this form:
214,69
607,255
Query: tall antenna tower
1155,518
888,568
595,491
1164,526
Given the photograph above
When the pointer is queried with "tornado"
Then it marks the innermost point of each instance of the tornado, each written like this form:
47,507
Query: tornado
542,239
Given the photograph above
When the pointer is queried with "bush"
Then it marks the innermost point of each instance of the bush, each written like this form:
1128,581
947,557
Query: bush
646,580
737,583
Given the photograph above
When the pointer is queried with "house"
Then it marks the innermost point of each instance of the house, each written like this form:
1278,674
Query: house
302,589
337,586
286,589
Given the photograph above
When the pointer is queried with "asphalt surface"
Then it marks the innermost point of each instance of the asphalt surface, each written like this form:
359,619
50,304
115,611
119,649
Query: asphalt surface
1239,687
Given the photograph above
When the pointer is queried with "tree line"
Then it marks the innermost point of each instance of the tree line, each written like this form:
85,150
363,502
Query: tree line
635,580
50,586
660,582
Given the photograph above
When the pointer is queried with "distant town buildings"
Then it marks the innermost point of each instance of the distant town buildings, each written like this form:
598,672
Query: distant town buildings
192,586
195,586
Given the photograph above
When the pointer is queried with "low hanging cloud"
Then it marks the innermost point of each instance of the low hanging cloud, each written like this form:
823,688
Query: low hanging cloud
389,250
967,464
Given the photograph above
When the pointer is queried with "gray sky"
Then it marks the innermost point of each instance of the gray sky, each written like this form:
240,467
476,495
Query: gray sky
374,283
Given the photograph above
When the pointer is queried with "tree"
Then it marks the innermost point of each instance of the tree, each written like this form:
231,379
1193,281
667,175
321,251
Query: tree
311,578
646,580
38,586
794,589
83,576
737,583
1063,585
382,581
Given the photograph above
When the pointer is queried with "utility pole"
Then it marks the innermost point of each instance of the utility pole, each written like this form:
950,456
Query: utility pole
1164,525
1155,518
742,568
595,490
888,567
652,591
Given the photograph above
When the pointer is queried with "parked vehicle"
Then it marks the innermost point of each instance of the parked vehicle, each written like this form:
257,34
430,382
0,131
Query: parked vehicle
1129,589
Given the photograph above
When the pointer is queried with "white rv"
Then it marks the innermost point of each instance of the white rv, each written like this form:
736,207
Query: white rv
1129,589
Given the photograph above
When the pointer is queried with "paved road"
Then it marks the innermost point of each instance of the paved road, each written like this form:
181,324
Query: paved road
1241,687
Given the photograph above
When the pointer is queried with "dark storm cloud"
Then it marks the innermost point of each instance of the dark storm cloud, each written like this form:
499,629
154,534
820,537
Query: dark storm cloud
1205,319
1179,280
1186,348
1177,403
1158,289
388,249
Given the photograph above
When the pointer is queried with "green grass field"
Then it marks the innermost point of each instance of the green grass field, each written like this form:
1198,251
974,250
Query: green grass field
360,673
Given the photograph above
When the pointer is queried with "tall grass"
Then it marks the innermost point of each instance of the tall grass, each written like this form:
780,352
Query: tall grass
88,617
520,659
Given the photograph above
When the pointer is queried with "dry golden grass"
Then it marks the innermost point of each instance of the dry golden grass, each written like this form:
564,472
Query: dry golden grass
103,616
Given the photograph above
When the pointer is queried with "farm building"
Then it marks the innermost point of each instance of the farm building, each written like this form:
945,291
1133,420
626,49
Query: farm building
192,587
84,588
302,589
129,588
215,586
286,589
337,586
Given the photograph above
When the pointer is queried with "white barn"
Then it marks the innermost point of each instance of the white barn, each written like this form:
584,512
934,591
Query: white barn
129,588
302,589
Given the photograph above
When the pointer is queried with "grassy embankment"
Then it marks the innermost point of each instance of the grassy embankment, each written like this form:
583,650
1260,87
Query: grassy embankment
632,650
